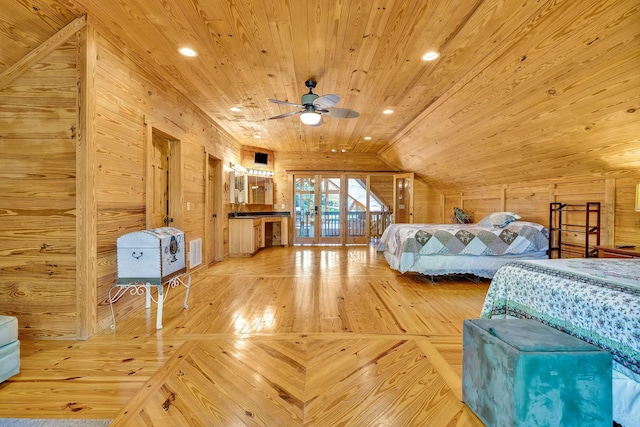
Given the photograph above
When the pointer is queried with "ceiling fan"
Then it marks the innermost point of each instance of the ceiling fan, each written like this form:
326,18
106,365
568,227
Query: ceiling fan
313,107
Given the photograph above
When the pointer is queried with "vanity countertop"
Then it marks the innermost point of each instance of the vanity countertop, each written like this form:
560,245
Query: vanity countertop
241,215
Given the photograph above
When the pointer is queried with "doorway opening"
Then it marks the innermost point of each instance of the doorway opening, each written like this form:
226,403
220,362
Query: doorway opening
164,180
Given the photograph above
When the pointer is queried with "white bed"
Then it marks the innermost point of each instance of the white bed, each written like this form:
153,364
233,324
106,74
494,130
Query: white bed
478,249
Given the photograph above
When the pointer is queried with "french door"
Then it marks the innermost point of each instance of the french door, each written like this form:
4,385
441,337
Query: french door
349,208
318,215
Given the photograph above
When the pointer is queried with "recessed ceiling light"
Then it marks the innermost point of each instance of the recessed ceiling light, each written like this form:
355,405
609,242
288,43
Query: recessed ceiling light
256,136
387,112
235,109
344,150
430,56
333,150
368,138
187,51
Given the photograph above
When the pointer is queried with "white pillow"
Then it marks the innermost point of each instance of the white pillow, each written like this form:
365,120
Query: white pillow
498,219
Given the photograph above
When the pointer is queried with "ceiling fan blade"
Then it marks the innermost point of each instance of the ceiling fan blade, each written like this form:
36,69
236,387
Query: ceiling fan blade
326,101
342,113
276,101
293,113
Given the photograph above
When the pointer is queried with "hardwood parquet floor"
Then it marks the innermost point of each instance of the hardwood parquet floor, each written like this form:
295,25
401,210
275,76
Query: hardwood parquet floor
298,336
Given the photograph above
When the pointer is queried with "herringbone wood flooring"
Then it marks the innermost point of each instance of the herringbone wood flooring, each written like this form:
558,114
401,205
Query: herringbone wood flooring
299,336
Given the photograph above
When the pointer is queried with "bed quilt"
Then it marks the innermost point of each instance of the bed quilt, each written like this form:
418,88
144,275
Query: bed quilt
596,300
408,242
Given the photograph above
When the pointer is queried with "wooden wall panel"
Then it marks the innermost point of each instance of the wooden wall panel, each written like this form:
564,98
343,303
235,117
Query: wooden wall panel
119,174
482,202
194,192
38,186
627,219
248,158
131,101
531,200
426,203
579,193
38,197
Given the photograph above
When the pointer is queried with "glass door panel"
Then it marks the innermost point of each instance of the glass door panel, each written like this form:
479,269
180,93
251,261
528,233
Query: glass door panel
305,210
348,209
380,204
357,209
330,210
403,198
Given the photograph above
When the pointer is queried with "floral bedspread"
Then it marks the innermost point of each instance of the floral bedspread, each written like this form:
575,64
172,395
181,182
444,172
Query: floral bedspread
596,300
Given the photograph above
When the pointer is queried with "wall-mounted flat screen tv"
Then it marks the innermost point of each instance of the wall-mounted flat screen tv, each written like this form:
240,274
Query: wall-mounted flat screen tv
261,158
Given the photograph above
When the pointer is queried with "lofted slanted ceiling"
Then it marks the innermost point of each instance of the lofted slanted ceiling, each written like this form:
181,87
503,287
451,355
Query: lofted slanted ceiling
523,90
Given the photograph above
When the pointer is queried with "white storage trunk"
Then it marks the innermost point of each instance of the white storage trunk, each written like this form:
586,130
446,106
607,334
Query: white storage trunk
151,256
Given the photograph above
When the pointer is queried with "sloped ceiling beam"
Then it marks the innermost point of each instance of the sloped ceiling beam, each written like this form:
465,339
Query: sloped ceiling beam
41,52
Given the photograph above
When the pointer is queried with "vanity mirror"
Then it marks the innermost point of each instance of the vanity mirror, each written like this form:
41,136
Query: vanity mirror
238,183
260,190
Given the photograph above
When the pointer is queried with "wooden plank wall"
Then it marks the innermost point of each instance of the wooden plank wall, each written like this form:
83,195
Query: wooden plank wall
38,124
426,203
38,183
627,219
131,101
619,220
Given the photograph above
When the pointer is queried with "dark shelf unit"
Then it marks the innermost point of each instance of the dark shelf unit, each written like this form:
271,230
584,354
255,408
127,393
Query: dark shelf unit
587,224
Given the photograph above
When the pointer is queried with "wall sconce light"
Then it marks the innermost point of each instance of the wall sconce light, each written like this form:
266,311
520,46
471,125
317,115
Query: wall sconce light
238,168
257,172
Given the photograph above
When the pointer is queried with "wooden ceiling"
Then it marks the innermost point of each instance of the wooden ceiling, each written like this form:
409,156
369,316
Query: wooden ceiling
523,89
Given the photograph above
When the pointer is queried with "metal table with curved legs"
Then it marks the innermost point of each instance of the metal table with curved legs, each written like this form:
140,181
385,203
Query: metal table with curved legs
143,286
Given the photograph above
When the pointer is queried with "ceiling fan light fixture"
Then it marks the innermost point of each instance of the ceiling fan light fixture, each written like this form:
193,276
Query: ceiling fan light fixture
430,56
310,118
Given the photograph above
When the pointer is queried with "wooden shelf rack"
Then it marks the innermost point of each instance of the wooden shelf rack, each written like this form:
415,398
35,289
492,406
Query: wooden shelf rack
574,230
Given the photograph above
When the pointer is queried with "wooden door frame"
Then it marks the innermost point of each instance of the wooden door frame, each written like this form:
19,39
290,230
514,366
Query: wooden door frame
343,216
344,177
357,240
294,238
176,172
213,205
408,175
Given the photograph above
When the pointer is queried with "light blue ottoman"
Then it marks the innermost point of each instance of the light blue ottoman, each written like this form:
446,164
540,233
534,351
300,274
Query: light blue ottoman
9,347
518,372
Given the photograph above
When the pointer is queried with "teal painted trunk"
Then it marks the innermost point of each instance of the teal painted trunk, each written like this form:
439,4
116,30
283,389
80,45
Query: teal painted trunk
518,372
